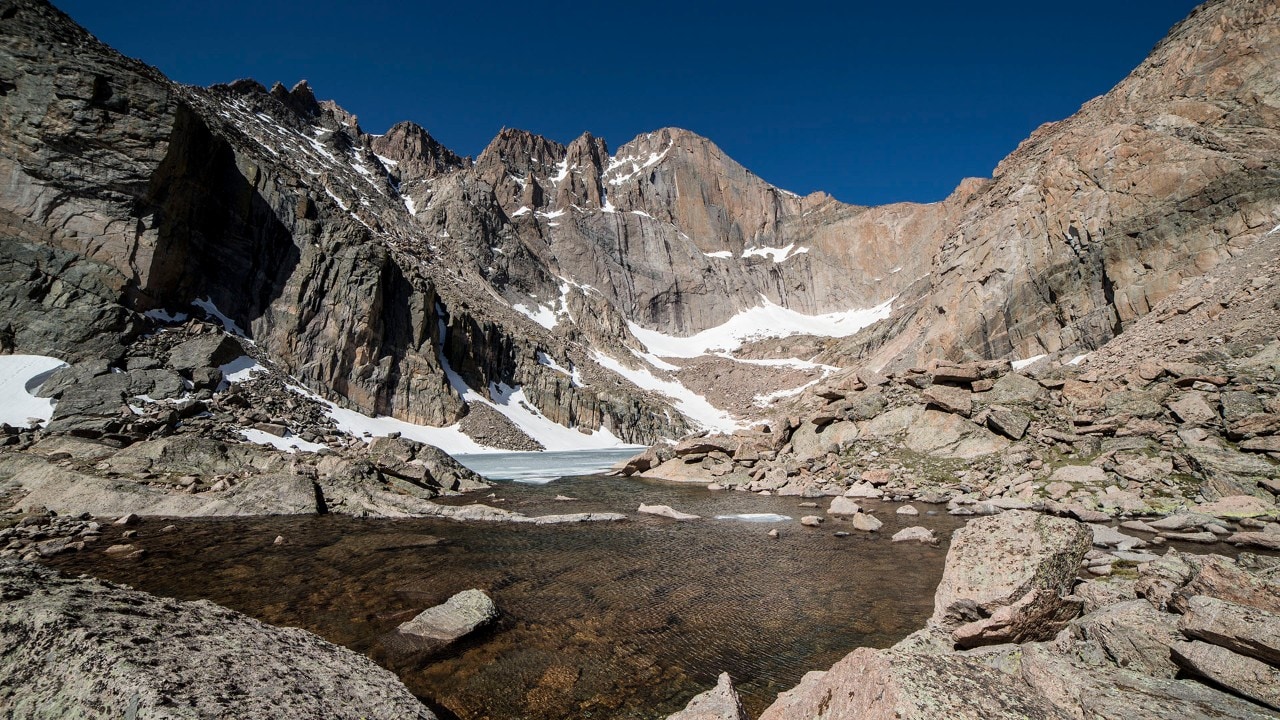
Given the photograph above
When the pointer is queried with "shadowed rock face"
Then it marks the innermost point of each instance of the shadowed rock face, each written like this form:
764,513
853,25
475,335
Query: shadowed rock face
276,209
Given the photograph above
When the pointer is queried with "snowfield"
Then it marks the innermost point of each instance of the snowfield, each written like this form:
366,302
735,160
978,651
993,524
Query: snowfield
20,377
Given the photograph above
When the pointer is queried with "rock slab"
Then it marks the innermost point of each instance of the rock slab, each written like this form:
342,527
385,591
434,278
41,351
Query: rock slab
86,648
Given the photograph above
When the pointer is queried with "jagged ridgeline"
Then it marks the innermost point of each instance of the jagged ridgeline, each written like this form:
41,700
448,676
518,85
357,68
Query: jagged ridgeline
391,276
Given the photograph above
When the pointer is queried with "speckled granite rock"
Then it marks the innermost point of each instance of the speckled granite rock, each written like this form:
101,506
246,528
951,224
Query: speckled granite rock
85,648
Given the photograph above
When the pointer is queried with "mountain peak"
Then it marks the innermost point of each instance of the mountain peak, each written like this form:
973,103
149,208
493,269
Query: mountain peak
417,154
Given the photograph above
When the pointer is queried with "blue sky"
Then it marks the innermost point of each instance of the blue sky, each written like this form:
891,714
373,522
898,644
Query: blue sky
887,102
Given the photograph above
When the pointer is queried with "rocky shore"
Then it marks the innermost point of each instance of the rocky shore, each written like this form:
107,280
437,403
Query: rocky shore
1016,633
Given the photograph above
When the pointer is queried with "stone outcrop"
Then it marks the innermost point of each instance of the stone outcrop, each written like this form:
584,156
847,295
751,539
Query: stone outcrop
1125,657
718,703
82,646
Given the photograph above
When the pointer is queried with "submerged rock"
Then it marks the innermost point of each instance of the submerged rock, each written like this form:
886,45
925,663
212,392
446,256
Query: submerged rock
453,619
667,511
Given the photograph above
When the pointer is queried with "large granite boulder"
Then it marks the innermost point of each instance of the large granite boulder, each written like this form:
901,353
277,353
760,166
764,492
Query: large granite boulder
1008,578
86,648
899,685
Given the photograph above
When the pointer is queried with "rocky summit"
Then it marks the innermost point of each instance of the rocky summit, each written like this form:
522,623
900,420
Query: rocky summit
233,300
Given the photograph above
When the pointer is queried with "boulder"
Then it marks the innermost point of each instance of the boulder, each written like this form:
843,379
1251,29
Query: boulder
866,523
863,405
1015,389
1268,541
1242,675
1010,423
718,703
945,435
726,444
1134,635
1238,506
811,521
1008,576
1181,522
1239,628
1269,444
876,684
843,506
666,511
1079,475
1193,408
1107,536
863,490
915,533
907,510
948,398
1223,578
1093,688
204,351
452,620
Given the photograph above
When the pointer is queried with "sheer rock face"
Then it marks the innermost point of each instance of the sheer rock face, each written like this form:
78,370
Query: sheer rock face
681,237
365,264
85,647
1094,219
276,209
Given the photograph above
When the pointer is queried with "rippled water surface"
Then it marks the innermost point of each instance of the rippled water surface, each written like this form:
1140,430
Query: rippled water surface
617,620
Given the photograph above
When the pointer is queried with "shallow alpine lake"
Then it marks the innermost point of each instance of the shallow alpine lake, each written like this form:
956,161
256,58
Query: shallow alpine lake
599,620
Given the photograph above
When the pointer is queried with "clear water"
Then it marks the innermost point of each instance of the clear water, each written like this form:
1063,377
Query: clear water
617,620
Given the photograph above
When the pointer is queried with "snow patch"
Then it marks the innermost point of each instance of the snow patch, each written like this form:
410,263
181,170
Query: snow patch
410,205
541,314
1019,364
388,162
165,316
722,254
690,404
775,254
524,210
796,363
20,377
227,323
241,369
550,215
768,399
766,321
1079,359
562,171
575,375
516,407
288,443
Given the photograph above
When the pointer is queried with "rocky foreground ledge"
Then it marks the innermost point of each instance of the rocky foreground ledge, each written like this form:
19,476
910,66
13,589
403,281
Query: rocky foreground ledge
1015,634
86,648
